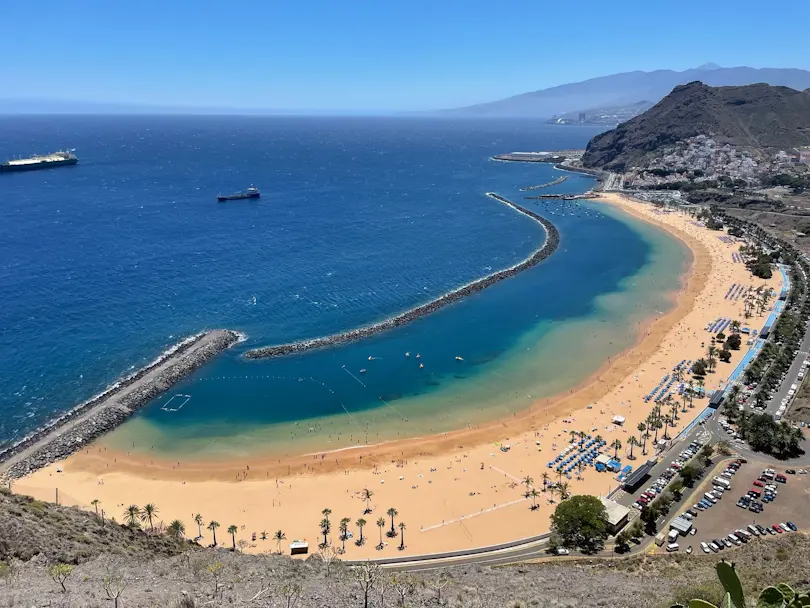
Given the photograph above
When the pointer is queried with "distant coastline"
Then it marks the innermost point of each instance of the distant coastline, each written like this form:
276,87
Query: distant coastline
551,242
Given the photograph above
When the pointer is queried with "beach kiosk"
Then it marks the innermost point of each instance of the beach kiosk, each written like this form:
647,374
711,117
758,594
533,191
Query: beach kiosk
299,547
618,420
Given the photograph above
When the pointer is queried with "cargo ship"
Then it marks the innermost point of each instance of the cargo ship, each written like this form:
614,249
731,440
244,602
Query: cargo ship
249,193
46,161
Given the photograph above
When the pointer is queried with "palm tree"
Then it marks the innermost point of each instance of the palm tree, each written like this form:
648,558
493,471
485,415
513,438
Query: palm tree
690,390
528,481
360,523
213,525
735,327
641,428
546,477
367,494
326,513
95,502
232,530
573,436
632,441
344,531
131,515
149,511
616,445
667,424
199,521
401,535
392,512
710,356
381,524
278,537
264,535
580,466
326,528
177,529
563,490
533,495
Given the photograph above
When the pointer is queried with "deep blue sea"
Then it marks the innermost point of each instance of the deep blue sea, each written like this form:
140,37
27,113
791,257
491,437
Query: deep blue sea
105,264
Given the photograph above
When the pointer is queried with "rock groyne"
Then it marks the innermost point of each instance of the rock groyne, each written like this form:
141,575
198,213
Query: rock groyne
559,180
551,242
72,431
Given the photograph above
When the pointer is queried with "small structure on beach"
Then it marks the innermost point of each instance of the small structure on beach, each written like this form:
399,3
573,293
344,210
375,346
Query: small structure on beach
617,515
618,420
299,547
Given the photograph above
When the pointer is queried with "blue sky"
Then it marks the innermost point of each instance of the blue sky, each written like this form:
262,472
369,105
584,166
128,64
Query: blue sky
373,55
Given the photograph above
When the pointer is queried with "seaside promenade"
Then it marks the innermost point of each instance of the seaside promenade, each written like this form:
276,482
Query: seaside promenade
458,490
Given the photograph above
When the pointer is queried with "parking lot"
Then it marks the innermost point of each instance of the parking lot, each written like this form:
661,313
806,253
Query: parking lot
791,503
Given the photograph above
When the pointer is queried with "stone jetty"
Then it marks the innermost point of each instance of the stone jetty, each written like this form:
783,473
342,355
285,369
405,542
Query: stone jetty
559,180
551,242
74,430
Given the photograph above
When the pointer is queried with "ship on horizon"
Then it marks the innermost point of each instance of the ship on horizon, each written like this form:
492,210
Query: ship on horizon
251,192
44,161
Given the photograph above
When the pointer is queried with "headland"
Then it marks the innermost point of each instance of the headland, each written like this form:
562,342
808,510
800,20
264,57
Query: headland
456,490
89,420
538,255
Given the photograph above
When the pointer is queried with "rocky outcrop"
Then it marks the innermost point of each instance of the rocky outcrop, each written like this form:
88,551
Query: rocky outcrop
71,432
550,244
754,116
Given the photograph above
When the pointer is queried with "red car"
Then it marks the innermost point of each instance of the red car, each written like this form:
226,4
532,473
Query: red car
759,484
781,479
778,528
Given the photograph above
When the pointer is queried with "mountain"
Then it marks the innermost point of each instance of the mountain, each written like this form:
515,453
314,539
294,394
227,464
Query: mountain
628,88
756,116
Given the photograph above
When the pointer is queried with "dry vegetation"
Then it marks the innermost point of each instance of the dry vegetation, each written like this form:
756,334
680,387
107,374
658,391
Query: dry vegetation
146,570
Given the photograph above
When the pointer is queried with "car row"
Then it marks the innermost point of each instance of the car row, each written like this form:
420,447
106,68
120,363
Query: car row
649,495
742,536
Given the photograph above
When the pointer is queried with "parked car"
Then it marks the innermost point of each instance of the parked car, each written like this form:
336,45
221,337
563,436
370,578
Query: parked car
777,528
792,526
705,547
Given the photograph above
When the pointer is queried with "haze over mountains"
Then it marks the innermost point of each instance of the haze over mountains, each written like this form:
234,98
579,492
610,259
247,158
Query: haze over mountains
628,88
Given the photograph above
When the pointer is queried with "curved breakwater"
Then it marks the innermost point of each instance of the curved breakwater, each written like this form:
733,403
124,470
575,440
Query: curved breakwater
551,242
73,430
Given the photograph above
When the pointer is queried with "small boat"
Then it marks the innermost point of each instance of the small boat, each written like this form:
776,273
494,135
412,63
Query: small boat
407,354
459,358
421,365
418,356
249,193
363,371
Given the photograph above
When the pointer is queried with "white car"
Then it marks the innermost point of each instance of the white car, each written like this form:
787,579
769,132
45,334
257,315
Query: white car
562,551
705,547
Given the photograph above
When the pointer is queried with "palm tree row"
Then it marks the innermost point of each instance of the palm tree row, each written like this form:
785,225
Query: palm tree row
343,527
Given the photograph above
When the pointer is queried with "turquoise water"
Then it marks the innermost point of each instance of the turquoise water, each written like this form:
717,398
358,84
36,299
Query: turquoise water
107,263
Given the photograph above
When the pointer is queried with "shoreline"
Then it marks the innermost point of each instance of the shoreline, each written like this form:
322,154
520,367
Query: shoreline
472,478
548,247
607,377
111,407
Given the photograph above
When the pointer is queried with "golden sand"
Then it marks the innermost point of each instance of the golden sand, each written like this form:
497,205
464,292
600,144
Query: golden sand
453,491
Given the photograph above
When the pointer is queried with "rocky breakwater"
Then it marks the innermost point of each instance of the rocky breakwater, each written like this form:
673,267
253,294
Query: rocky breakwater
89,420
551,242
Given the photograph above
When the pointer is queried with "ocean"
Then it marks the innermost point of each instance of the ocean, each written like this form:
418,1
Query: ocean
105,264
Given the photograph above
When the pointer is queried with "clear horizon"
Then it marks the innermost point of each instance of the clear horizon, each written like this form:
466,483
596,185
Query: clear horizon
363,57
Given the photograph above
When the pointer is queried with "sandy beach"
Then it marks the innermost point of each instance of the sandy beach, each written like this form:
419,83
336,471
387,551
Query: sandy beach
453,491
